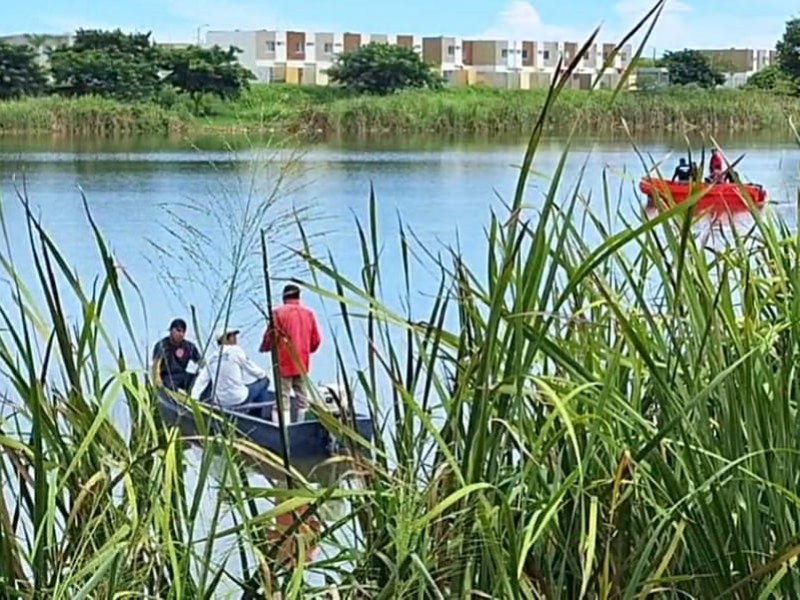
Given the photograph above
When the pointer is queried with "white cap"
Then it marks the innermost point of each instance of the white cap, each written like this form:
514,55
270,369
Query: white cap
224,333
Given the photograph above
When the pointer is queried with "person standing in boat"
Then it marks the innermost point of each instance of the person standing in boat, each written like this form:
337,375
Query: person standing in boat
715,166
225,373
298,338
683,172
175,359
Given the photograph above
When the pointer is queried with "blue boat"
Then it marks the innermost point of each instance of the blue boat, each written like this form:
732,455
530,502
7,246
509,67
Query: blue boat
308,439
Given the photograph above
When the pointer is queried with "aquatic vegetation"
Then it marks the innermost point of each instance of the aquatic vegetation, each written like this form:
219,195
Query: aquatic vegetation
324,110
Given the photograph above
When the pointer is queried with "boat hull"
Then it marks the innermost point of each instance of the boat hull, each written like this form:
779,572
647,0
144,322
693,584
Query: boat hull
307,439
717,196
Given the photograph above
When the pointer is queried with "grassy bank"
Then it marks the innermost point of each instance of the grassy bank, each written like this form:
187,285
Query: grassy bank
331,111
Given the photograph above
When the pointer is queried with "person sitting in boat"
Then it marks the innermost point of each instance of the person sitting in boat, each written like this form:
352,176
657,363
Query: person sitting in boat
715,166
683,172
225,375
731,176
175,359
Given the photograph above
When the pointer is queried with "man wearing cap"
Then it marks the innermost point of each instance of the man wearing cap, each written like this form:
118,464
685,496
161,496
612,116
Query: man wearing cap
172,357
298,338
226,372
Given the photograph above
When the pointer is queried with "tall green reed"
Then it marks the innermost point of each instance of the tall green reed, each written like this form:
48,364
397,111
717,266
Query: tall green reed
567,437
594,443
210,242
98,504
89,116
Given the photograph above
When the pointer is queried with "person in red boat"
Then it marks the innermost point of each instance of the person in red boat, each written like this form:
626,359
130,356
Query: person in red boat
683,172
715,166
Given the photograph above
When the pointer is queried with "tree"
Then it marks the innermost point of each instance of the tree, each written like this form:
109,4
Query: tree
107,63
383,69
691,66
772,79
20,74
197,71
788,50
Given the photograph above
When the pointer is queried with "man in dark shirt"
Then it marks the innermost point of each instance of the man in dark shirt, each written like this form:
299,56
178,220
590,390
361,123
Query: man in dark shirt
172,357
683,172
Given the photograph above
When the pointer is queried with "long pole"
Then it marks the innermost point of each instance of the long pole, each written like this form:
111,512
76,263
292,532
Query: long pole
198,33
272,332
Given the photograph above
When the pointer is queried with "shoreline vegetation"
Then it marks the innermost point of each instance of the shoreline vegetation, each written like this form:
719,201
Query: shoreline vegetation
316,111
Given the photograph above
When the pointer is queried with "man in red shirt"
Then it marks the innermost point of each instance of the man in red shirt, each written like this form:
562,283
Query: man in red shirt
715,165
298,337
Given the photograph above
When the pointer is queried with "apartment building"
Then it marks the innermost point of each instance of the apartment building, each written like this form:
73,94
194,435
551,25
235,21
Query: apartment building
298,57
42,43
739,64
303,58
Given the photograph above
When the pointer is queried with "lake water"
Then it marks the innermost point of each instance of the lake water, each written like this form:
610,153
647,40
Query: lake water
443,190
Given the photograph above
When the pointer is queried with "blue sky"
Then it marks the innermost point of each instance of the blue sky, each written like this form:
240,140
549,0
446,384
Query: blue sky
684,23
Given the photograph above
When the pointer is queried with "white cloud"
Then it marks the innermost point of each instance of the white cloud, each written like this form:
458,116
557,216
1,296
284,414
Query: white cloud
681,26
678,26
521,20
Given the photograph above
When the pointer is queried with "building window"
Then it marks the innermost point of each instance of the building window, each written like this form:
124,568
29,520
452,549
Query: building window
623,56
546,54
451,50
298,47
504,53
524,54
328,48
270,46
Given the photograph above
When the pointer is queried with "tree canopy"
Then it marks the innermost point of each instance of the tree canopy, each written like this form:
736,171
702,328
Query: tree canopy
20,73
772,78
788,50
197,71
123,66
119,65
691,67
382,69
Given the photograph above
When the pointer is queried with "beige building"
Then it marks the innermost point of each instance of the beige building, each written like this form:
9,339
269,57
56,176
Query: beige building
738,64
303,58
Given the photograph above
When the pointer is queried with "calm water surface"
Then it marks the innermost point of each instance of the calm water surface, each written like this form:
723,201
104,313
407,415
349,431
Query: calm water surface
442,190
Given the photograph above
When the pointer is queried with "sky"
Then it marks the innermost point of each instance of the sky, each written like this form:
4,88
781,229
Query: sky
683,23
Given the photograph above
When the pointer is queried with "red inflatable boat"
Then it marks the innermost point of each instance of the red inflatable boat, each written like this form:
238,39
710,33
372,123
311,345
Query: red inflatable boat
716,196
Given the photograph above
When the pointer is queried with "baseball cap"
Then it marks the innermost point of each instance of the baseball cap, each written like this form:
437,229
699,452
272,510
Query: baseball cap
223,333
291,290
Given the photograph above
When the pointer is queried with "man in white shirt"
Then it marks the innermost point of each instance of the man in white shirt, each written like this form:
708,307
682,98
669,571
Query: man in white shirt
229,365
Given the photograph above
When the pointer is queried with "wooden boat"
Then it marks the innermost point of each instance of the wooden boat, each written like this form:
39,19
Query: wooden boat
308,439
716,196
